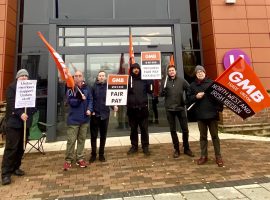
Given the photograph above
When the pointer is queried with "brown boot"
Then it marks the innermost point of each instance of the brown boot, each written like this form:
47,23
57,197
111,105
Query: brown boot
219,161
202,160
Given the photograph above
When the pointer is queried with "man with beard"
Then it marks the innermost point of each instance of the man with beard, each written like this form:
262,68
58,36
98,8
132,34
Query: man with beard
137,109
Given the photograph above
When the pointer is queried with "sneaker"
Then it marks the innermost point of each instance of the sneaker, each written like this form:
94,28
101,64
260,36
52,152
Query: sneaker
202,160
102,158
176,154
132,150
189,153
81,163
219,161
67,166
146,151
92,158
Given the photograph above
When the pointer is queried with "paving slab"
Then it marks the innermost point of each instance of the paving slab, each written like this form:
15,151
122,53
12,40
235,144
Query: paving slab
168,196
226,193
199,195
256,193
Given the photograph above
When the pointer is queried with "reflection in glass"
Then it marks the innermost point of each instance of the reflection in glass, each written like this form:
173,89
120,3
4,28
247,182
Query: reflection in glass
73,32
190,36
151,31
107,31
74,63
72,42
151,40
107,41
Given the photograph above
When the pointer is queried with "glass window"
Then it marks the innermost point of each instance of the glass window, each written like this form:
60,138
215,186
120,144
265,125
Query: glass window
151,40
151,31
74,63
35,11
107,41
190,36
85,9
31,43
71,32
72,42
107,31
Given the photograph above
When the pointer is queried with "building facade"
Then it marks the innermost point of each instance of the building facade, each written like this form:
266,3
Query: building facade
92,35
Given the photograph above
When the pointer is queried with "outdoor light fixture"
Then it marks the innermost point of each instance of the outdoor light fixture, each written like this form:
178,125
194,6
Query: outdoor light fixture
230,1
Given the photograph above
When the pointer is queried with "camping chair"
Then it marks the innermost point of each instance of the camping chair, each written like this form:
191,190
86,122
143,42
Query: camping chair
36,136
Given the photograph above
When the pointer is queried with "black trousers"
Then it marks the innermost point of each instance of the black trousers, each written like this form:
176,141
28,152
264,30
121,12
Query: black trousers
101,125
182,118
138,117
13,153
212,125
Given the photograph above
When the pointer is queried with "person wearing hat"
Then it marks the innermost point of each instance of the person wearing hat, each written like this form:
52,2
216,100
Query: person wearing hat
206,110
173,89
137,109
14,148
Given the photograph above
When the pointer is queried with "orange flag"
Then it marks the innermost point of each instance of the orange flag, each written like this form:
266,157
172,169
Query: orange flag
131,51
240,90
121,67
171,60
62,68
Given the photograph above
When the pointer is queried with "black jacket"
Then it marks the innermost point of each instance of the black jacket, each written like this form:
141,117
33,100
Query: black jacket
174,93
137,91
13,115
207,107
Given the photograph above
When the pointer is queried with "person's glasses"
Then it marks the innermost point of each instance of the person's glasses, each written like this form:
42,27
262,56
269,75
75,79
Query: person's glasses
77,75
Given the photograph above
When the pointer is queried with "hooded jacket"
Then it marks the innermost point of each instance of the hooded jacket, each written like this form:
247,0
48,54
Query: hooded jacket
137,90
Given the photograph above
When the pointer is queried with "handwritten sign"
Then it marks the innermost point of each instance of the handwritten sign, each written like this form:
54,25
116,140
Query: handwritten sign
26,93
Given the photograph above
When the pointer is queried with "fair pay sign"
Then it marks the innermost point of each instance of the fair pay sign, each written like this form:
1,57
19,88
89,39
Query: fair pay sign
117,90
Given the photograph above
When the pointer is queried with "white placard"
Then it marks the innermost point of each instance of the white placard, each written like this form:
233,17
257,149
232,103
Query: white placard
151,65
116,90
26,93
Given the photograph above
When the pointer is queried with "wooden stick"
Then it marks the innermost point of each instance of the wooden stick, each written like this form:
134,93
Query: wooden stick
24,131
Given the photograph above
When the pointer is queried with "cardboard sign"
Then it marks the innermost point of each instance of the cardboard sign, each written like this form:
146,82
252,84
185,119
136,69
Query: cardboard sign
117,90
26,93
151,65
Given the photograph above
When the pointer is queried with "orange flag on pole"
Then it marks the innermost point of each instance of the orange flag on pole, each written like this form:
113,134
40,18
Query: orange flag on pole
240,90
131,51
61,66
171,60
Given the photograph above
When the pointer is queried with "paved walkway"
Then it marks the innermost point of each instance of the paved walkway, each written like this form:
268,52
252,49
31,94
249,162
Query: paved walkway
246,174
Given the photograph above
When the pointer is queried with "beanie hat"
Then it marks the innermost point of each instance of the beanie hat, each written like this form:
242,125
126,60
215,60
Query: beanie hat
199,67
22,72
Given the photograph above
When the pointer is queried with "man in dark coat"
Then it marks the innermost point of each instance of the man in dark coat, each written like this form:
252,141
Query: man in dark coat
206,110
14,148
100,116
173,89
137,109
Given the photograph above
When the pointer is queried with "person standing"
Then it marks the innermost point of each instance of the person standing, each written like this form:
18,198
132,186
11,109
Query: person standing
14,148
173,89
100,117
137,109
206,110
80,107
